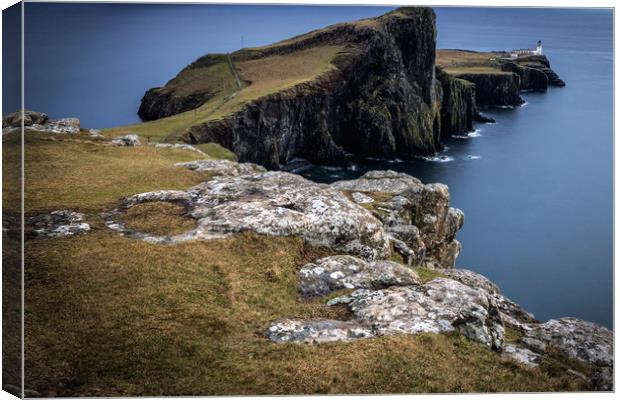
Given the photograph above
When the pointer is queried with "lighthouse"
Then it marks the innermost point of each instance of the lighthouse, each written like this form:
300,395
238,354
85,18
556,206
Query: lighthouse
539,48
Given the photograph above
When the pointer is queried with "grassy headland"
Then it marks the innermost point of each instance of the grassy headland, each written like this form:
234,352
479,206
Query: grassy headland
108,315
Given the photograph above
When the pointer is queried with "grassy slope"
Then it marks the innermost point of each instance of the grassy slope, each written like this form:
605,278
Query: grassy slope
109,315
458,62
262,76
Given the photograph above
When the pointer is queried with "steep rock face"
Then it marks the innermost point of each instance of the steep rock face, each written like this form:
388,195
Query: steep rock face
379,101
418,215
541,64
495,89
531,79
458,105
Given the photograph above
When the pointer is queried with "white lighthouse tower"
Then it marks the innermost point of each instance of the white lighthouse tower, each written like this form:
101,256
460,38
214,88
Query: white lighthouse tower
539,48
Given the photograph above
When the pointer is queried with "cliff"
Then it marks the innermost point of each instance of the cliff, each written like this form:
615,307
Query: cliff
373,95
494,79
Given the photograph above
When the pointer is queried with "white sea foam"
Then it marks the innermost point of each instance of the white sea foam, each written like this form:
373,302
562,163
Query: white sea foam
472,157
475,133
438,159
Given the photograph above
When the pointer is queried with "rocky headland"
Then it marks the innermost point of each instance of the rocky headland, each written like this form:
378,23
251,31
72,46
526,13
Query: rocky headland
370,88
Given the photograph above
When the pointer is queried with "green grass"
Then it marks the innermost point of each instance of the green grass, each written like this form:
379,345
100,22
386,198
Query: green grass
459,62
427,275
214,150
262,77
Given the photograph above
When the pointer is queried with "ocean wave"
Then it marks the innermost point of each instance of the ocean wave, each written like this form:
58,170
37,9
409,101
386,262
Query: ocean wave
472,157
475,133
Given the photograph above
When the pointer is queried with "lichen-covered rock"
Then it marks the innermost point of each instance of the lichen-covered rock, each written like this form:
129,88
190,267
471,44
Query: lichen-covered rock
575,338
58,223
271,203
521,355
320,331
222,167
419,215
130,140
472,279
63,125
441,305
14,120
512,314
346,272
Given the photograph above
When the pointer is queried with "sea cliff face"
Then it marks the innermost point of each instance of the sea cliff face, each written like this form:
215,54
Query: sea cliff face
379,100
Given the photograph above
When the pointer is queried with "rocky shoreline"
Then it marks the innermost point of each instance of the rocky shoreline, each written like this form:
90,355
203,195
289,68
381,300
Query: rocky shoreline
388,228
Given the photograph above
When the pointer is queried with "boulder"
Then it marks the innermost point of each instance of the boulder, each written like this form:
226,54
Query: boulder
58,223
14,120
575,338
130,140
63,125
222,167
346,272
269,203
316,332
521,355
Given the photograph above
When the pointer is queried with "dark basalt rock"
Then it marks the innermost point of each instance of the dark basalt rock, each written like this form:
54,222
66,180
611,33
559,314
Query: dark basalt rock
496,89
380,101
531,79
458,105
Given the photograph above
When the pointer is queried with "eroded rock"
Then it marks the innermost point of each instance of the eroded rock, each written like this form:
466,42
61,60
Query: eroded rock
442,305
63,125
271,203
58,223
222,167
575,338
14,120
419,215
521,355
320,331
130,140
346,272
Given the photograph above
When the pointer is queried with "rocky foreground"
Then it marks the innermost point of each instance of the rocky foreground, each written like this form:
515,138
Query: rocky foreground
381,217
387,227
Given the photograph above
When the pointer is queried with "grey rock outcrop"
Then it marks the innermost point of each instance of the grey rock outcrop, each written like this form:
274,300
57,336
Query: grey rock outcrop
63,125
130,140
270,203
316,332
58,223
14,120
575,338
441,305
417,214
222,167
346,272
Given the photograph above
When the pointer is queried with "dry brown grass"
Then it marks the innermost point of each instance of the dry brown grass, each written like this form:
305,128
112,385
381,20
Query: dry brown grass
263,76
88,175
114,316
159,218
457,62
108,315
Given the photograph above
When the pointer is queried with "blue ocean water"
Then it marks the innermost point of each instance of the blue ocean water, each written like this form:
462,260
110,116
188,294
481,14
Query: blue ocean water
536,187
